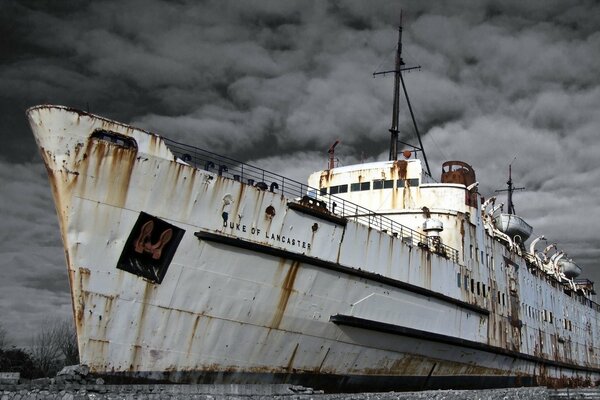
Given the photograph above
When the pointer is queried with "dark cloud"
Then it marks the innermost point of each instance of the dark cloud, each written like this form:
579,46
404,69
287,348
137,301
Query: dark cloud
274,83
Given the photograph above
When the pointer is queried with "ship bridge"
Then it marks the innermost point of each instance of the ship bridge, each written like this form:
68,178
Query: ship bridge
401,191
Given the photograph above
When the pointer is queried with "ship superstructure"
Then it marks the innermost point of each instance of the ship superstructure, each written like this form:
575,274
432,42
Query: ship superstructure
188,266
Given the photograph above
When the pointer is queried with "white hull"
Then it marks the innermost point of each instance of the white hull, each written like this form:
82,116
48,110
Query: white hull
289,297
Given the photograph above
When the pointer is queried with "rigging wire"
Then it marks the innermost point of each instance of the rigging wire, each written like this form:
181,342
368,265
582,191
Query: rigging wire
384,57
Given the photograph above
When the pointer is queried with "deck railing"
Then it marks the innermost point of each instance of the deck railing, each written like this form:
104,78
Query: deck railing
265,180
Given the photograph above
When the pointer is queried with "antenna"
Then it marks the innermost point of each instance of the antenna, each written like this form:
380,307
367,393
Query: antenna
511,189
398,80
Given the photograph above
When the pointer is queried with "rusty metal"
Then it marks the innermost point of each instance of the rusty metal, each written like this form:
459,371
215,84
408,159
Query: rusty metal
458,172
331,152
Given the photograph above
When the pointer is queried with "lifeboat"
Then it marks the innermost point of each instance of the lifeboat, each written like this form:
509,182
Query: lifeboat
513,225
569,268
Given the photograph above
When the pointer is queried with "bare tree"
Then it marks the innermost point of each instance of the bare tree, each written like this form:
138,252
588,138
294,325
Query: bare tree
67,342
45,348
3,341
54,346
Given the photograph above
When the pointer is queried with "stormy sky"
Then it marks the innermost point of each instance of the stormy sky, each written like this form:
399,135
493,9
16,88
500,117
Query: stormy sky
275,83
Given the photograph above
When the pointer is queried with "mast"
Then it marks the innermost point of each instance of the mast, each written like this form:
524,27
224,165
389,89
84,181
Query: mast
511,189
396,107
511,206
398,80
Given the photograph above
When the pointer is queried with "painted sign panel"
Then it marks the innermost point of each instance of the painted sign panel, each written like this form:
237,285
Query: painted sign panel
150,248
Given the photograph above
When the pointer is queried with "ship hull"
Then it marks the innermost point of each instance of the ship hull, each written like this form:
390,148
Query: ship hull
181,274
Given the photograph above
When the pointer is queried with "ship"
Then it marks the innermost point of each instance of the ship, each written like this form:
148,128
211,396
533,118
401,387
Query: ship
187,266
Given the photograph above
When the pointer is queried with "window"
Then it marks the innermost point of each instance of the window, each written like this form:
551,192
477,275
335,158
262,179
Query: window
466,282
338,189
323,191
365,186
458,279
478,288
400,183
388,184
354,187
472,285
378,184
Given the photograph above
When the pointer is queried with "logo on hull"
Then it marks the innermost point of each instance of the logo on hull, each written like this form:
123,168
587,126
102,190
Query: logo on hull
150,248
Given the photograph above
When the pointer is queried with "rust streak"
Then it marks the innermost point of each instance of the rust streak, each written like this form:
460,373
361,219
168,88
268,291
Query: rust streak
401,167
122,165
286,290
291,362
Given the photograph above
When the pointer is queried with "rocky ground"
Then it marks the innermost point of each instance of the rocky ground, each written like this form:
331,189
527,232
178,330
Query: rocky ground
69,391
74,383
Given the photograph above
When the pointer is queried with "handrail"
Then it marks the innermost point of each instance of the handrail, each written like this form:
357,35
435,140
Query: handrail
265,180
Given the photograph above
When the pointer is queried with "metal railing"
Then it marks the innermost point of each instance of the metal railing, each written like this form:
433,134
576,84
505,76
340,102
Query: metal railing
265,180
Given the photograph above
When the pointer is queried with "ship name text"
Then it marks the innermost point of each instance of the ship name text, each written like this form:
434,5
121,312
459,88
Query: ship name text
268,235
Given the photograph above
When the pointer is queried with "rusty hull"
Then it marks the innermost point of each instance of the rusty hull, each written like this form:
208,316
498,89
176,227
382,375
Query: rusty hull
226,313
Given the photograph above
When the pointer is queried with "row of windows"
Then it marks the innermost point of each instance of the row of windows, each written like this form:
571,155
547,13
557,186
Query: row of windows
477,287
377,185
544,315
481,290
478,256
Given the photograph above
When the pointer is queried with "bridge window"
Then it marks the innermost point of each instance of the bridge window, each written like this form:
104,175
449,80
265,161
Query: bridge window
383,184
400,183
338,189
